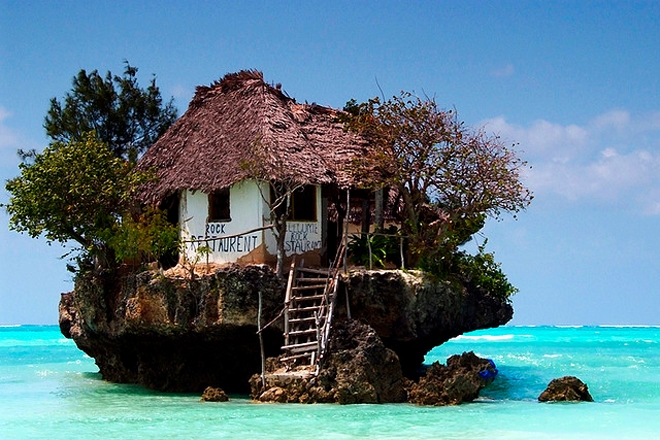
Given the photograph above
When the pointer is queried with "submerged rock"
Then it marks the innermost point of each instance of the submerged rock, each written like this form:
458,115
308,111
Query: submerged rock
566,389
457,382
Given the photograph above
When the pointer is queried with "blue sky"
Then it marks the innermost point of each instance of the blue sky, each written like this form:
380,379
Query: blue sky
575,84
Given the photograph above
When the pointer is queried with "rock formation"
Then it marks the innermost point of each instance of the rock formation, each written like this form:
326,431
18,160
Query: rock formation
176,334
413,313
212,394
566,389
358,369
457,382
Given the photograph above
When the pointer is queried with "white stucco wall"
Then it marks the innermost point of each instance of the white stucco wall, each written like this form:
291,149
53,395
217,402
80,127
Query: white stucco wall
301,237
248,211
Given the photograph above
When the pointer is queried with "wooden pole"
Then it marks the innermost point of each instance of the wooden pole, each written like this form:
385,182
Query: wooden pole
261,346
287,299
346,220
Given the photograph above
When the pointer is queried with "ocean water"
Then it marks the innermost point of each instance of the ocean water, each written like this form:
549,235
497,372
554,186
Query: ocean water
51,390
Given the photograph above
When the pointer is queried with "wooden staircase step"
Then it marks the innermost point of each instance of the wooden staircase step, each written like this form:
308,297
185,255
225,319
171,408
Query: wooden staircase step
312,287
297,356
307,298
299,348
315,271
311,331
301,320
303,309
311,280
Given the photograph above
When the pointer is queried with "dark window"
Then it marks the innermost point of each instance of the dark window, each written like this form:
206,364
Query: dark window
219,206
303,204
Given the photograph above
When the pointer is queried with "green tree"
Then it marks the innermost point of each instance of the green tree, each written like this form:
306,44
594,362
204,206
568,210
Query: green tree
124,116
77,191
449,177
80,192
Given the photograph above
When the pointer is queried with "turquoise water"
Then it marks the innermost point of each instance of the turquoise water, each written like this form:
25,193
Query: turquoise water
51,390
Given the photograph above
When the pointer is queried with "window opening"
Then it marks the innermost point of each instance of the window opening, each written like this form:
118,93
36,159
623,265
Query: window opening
219,206
303,204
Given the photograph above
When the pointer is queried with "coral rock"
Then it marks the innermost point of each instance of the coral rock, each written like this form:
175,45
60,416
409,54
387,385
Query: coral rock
566,389
457,382
214,395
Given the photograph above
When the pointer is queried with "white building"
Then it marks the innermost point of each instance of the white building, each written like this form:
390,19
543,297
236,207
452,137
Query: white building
215,166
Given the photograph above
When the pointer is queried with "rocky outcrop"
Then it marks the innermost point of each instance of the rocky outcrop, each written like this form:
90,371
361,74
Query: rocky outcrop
358,369
176,334
457,382
412,312
566,389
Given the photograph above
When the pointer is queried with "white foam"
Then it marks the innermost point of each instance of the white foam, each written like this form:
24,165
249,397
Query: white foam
484,338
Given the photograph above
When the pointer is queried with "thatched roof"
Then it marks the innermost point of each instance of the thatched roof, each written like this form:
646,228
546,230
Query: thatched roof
240,118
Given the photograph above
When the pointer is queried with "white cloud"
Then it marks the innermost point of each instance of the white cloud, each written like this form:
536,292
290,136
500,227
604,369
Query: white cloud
182,94
504,71
545,139
614,159
7,138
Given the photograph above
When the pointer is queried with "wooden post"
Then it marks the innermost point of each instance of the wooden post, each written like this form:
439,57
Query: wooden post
371,265
261,346
346,221
287,300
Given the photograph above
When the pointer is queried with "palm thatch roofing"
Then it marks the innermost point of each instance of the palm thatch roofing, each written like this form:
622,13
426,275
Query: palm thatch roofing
241,122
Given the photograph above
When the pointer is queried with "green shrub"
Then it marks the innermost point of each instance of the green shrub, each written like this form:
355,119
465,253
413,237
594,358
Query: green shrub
384,248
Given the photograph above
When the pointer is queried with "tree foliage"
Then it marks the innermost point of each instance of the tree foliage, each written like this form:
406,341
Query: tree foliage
71,191
449,177
123,115
80,191
81,187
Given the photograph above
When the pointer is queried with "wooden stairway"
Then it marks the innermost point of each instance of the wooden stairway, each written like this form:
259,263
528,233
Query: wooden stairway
308,308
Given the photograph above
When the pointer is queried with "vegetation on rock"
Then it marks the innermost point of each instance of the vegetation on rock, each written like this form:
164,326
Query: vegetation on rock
447,178
81,187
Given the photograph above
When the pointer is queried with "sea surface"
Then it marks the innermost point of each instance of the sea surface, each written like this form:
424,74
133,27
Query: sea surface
51,390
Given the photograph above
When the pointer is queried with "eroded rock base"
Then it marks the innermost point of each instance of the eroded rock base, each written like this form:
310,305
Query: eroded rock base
360,369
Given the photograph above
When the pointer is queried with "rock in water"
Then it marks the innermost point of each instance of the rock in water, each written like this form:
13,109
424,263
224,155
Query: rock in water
173,333
457,382
212,394
359,369
566,389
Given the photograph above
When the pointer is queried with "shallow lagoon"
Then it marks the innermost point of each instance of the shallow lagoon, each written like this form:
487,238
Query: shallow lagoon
49,389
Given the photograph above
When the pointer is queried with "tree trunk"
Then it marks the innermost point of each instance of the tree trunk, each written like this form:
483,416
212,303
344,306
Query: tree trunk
366,215
380,206
280,236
